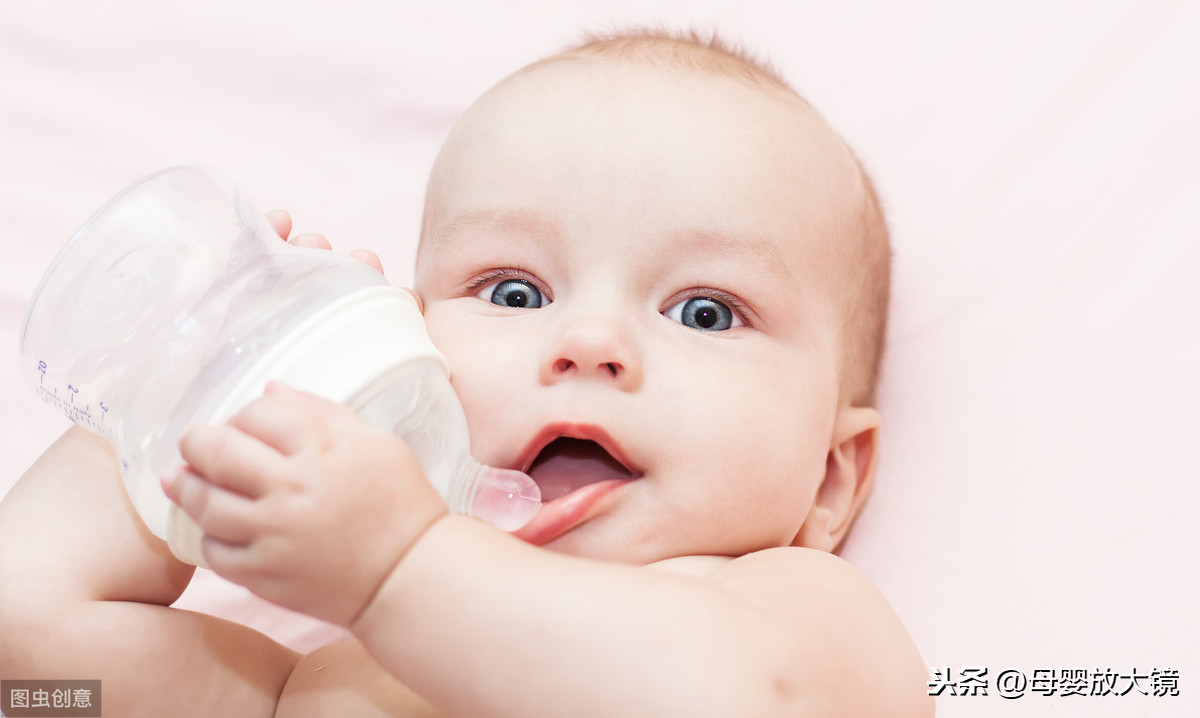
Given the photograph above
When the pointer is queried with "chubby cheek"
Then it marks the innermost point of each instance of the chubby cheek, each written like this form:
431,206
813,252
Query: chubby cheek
482,374
761,440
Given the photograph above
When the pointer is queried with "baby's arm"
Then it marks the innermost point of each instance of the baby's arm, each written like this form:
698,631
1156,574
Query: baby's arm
307,507
84,595
477,620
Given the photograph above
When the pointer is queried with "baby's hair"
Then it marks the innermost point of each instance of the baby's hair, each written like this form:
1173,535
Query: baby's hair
867,232
867,315
679,48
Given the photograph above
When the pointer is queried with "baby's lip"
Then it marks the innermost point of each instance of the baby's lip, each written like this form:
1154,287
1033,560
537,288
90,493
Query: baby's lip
567,512
571,430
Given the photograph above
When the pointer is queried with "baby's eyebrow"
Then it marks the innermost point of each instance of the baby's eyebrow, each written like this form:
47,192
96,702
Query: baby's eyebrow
515,222
736,245
530,225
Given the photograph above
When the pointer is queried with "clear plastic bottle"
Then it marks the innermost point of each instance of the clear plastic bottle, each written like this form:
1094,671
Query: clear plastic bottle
176,303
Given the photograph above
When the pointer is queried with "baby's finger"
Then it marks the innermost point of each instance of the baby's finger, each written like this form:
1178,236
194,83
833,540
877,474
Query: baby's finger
282,420
231,459
331,413
310,240
219,513
281,221
261,566
233,561
368,258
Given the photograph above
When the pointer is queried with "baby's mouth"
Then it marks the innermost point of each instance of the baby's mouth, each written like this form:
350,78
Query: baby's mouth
568,464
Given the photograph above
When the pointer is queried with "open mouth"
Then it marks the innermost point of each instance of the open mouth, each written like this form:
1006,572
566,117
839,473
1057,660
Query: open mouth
567,464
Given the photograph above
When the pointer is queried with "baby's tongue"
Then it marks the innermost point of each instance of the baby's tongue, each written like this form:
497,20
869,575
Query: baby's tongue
569,464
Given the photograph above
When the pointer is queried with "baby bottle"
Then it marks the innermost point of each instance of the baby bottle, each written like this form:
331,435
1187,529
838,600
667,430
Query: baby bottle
177,302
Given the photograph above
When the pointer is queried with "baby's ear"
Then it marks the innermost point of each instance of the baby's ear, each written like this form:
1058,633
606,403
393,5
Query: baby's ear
849,476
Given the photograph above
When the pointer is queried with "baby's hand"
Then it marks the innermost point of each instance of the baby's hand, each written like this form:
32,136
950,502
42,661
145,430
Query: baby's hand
282,222
303,503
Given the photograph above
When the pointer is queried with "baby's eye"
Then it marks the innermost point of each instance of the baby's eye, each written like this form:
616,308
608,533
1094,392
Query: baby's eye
704,313
516,293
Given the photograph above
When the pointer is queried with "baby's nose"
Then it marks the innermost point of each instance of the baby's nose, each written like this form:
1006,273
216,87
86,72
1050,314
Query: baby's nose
592,348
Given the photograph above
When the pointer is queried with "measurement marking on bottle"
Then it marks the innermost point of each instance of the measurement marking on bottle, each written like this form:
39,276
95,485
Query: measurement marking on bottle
77,414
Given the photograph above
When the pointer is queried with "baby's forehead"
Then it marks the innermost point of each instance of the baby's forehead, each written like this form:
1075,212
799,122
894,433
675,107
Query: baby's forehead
692,87
654,113
631,115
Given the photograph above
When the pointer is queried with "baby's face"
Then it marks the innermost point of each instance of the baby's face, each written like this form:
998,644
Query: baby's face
632,273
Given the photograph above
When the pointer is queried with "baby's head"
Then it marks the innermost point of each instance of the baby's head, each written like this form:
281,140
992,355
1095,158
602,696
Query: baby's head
661,281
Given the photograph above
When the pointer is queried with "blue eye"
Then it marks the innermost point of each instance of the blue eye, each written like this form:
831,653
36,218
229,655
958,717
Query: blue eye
704,313
516,293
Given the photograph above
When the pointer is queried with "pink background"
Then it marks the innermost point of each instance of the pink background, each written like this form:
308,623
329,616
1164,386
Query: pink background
1040,163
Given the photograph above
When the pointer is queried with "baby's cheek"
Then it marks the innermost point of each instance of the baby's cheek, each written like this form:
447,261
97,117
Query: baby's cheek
484,407
440,323
778,427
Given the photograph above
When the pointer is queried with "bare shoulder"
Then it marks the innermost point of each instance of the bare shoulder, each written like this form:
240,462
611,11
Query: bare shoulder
798,574
843,629
342,679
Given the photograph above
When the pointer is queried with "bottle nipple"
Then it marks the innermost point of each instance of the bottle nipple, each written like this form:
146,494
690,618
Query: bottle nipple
506,499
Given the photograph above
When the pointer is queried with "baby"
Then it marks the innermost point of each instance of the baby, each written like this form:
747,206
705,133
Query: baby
660,280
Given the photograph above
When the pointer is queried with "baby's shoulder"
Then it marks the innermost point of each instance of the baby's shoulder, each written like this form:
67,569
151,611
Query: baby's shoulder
797,565
802,578
787,565
838,622
789,579
698,566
